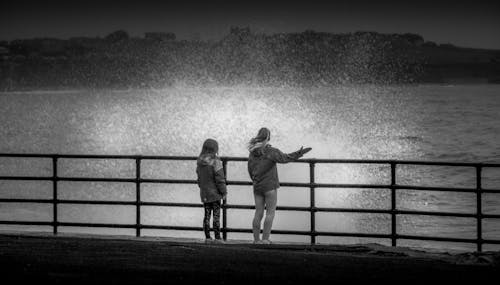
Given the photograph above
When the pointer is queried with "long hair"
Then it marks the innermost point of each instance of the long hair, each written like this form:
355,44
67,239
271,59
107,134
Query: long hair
210,146
263,136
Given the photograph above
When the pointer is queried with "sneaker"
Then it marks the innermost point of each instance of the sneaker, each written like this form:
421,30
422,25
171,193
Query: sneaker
209,240
257,242
266,241
218,240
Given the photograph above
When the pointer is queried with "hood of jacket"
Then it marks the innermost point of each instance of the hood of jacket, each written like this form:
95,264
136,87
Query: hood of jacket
206,159
259,149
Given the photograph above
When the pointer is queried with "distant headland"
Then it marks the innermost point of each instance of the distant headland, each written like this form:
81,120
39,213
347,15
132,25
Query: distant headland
241,57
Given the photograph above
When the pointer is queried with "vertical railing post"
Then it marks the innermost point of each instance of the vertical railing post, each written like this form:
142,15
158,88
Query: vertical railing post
312,207
138,196
224,203
393,204
479,210
54,194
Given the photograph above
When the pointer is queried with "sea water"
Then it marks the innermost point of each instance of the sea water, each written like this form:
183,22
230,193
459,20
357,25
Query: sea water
459,123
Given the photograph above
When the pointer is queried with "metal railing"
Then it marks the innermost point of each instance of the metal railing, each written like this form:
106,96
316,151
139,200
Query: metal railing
394,236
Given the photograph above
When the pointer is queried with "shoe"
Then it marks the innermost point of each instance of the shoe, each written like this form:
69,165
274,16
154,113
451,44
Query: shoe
209,240
257,242
266,241
218,240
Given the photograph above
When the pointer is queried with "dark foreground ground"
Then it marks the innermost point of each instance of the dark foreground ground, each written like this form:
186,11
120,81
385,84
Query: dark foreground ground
124,260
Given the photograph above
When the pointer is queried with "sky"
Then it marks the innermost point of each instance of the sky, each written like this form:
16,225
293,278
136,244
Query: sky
468,24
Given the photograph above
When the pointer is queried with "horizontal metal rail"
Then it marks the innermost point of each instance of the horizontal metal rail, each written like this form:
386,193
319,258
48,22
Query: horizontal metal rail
393,187
243,159
249,207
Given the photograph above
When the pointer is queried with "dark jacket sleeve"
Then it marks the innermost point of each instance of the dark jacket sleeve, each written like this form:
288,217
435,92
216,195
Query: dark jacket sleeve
249,170
277,156
220,179
198,175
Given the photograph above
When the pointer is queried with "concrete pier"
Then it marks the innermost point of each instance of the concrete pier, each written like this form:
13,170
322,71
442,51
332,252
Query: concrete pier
90,259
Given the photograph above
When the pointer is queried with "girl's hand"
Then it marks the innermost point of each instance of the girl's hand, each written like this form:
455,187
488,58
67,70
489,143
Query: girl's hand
304,150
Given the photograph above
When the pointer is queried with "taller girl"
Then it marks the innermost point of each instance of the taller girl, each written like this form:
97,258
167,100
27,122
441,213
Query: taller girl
264,174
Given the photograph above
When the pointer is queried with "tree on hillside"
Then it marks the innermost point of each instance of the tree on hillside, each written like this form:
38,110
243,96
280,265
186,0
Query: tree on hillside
117,36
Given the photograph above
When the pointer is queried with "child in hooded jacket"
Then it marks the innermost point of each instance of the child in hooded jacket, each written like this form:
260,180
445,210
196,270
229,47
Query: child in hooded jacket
212,184
263,171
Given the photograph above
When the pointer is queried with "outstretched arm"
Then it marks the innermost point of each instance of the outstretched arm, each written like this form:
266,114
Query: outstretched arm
280,157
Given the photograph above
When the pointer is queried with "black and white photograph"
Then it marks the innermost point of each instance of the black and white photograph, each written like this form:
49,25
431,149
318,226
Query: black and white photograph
249,142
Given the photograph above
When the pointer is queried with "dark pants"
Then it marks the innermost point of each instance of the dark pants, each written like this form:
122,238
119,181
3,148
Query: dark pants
209,207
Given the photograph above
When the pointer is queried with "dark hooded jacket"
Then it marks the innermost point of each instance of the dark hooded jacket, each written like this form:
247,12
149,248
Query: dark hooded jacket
262,167
211,178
